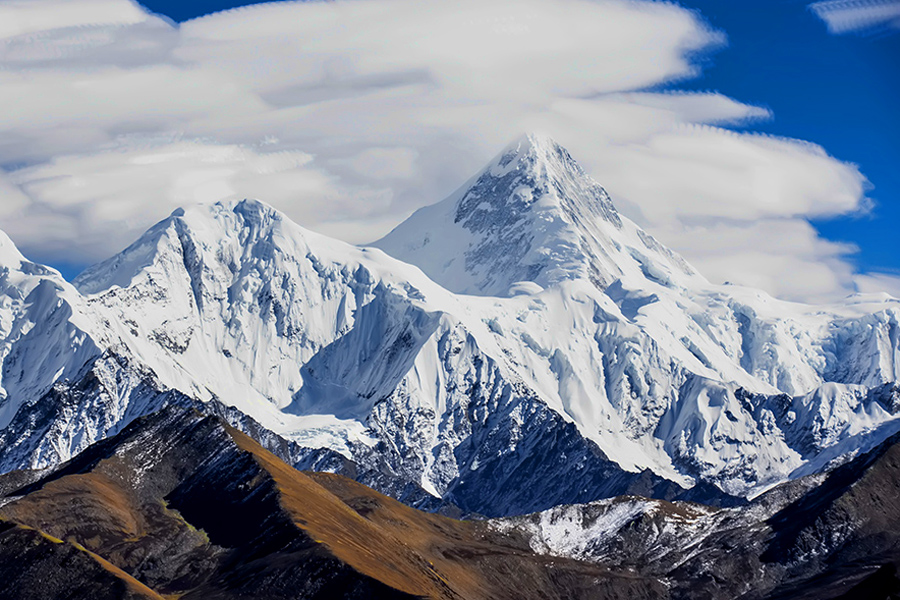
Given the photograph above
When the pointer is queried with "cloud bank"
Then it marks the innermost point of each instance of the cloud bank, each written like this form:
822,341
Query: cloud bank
349,115
858,16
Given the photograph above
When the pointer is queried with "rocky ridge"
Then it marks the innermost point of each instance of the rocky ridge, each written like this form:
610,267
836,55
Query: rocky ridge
181,504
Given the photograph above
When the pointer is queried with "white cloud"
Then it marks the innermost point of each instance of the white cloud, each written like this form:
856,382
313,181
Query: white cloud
854,16
476,49
102,199
706,172
348,115
783,256
873,283
385,163
24,17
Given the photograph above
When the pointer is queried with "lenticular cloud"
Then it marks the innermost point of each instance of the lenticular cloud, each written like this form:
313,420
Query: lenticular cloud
853,16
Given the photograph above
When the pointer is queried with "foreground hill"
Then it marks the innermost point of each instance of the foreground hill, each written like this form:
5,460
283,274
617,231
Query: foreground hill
182,505
187,506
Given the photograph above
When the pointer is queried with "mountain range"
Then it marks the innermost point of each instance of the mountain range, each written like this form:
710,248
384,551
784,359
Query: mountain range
519,346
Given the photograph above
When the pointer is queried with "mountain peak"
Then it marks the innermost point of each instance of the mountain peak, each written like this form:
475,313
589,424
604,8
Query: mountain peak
244,221
252,210
531,215
533,175
531,144
9,253
538,157
534,150
231,215
249,207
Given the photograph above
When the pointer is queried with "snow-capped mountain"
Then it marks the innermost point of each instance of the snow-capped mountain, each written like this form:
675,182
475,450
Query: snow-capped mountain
543,350
332,346
695,359
44,331
532,219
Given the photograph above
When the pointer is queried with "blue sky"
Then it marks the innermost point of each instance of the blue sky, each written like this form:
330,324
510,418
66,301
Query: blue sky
840,91
742,134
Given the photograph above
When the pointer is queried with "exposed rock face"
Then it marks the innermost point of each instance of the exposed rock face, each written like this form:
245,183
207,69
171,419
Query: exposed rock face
833,535
183,505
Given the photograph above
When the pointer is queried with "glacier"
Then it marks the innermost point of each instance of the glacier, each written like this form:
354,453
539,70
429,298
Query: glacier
514,347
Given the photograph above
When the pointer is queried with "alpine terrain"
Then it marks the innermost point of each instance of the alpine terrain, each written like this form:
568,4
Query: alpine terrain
181,505
517,347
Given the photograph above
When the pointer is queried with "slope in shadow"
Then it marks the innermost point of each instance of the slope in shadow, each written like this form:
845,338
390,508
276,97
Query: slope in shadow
188,506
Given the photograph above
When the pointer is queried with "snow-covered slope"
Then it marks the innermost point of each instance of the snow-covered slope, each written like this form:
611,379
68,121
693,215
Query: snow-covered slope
44,334
344,348
534,216
675,356
547,352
